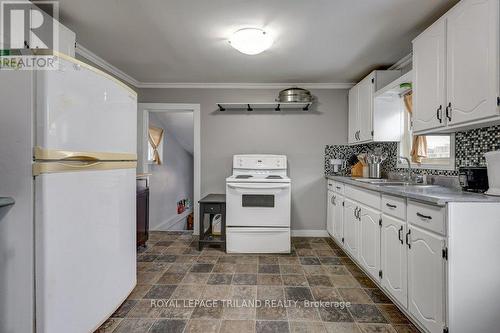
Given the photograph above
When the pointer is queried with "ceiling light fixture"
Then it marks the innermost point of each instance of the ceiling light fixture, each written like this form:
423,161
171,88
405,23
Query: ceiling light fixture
251,41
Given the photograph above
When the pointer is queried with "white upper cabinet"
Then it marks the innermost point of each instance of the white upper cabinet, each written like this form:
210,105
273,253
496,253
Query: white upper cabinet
472,61
456,69
429,78
353,115
365,108
361,108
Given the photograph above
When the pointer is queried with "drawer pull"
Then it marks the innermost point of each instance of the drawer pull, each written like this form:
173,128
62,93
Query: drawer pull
400,234
427,217
338,187
391,206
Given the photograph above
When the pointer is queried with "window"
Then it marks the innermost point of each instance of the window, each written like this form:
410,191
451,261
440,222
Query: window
155,134
440,152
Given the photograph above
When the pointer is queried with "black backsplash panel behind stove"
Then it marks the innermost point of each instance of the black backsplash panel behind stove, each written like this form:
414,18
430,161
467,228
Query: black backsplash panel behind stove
470,147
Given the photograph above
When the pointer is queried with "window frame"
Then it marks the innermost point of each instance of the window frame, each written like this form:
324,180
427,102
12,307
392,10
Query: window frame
450,166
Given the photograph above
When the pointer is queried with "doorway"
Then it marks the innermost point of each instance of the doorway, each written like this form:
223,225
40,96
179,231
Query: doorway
172,160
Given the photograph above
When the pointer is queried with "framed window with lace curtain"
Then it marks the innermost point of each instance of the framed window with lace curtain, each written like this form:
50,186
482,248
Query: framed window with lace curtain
436,151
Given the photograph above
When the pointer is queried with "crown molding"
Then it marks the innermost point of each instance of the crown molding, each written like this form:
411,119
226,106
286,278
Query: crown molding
239,85
89,55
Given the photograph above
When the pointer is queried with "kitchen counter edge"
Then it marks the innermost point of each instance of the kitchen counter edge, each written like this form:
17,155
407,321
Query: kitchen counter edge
440,196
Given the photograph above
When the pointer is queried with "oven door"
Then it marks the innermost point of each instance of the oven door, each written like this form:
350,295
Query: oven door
258,204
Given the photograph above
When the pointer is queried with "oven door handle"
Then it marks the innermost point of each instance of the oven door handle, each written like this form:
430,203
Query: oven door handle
260,186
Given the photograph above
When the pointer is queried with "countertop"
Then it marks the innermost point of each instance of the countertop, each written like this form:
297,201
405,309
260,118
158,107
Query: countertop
6,201
437,195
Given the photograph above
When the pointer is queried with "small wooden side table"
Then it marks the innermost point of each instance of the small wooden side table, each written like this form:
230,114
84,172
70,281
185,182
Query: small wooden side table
212,204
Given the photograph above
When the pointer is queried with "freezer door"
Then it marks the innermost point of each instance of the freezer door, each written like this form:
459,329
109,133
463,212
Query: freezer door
81,109
85,258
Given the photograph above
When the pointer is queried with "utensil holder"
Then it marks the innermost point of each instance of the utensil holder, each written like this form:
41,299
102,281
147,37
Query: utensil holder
374,170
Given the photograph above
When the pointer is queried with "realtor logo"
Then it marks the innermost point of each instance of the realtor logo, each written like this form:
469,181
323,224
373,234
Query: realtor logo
29,33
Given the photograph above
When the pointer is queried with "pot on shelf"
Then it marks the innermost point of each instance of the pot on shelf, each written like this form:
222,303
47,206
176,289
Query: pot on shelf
295,95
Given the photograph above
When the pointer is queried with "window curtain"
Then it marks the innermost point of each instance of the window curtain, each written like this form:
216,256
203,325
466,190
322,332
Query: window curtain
155,136
419,142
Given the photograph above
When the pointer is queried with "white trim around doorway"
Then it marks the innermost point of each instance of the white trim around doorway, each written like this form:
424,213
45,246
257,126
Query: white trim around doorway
143,110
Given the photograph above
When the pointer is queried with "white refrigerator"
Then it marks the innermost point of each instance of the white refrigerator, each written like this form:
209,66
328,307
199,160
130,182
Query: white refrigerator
68,147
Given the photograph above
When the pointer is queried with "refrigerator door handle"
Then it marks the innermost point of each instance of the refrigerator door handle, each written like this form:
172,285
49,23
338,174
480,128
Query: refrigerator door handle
65,155
59,167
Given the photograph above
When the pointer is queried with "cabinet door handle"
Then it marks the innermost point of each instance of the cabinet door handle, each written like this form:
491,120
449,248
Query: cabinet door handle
333,201
408,240
391,206
356,212
359,214
400,234
427,217
439,113
448,111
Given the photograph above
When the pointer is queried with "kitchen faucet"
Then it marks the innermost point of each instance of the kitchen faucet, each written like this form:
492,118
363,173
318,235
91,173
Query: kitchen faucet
409,172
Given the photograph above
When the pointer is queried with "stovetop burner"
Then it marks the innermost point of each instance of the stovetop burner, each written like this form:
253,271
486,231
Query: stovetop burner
274,177
243,176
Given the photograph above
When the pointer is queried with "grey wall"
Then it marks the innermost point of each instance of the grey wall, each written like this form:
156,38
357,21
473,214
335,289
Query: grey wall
169,182
301,136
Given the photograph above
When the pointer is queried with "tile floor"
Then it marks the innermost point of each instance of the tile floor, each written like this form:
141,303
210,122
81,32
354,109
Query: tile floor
317,270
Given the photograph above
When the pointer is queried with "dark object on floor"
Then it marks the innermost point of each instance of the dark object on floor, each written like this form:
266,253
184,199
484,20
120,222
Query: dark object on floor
142,215
212,204
190,222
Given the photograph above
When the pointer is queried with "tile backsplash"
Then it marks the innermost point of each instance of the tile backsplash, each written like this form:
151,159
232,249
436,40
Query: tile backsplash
470,147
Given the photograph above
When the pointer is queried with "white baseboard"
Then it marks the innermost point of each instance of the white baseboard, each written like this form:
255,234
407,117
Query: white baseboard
168,224
309,233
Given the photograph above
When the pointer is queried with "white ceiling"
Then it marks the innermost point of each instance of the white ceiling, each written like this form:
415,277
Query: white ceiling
316,41
180,126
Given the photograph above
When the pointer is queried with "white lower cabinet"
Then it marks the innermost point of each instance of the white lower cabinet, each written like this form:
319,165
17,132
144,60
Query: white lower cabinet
425,257
426,278
329,212
369,240
351,227
394,262
338,218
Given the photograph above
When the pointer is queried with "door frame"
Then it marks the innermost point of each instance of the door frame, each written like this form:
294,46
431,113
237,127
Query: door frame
143,110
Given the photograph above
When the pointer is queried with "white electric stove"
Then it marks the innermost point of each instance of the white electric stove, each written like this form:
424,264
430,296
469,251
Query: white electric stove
258,197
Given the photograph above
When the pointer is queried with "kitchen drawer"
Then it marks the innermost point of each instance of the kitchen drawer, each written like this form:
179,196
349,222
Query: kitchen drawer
335,186
258,240
429,217
330,185
367,197
339,188
394,206
211,208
